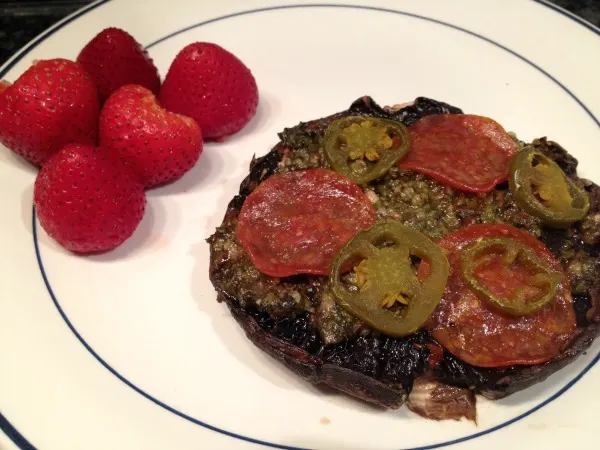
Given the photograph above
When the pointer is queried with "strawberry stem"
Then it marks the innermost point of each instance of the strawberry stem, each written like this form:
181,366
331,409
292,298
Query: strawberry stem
3,85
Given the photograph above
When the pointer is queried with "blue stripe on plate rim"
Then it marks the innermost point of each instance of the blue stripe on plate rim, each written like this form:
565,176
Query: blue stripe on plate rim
22,443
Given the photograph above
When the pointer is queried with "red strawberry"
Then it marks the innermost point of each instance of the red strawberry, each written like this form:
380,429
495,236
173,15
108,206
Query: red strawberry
87,200
114,58
53,103
160,146
213,87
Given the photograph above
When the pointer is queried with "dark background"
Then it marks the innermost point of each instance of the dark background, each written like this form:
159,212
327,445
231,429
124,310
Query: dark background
21,21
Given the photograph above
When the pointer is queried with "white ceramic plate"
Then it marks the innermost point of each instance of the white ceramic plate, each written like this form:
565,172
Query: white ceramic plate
129,350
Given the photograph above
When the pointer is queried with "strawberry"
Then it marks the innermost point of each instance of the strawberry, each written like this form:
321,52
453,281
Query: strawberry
213,87
114,58
160,146
51,104
88,200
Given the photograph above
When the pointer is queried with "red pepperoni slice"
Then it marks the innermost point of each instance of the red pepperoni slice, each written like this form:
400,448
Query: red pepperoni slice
469,153
296,222
480,335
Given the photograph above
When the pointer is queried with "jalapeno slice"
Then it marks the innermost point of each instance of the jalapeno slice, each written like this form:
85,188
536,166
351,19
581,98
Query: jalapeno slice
543,190
542,284
364,148
388,295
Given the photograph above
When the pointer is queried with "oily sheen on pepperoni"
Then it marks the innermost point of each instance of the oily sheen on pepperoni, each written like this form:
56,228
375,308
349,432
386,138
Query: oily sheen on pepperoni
482,336
296,222
469,153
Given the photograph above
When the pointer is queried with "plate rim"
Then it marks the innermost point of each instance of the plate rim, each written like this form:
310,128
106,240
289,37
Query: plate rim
19,439
565,12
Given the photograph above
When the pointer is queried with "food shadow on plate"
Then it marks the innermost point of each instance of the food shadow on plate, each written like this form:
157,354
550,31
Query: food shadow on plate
242,349
268,108
27,207
13,160
230,189
205,172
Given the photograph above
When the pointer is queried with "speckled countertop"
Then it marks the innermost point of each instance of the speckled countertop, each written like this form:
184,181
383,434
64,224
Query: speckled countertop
587,9
21,21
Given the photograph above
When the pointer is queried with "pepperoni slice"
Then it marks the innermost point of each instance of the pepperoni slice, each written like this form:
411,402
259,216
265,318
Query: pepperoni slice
469,153
482,336
296,222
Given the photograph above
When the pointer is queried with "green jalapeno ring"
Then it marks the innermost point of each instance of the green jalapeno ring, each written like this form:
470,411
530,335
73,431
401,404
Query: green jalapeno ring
390,271
545,278
567,202
365,141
